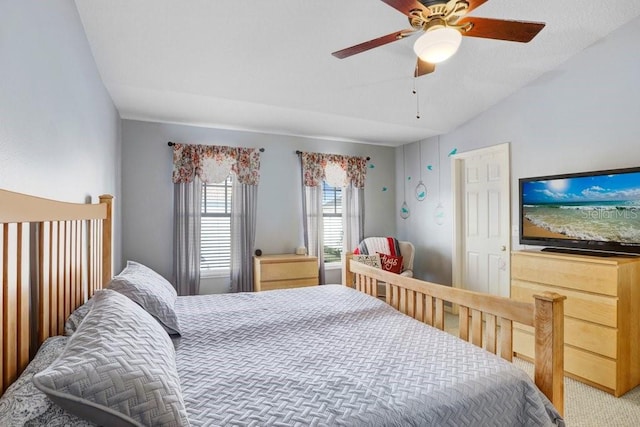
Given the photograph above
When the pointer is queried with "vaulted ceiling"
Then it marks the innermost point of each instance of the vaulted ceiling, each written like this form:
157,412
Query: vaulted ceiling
266,66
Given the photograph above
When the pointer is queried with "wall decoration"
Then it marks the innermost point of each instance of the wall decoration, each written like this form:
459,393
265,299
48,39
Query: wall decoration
384,189
372,166
452,152
439,213
429,167
404,209
421,189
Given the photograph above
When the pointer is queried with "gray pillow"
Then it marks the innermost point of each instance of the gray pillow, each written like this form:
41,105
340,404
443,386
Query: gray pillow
151,291
22,404
78,315
118,368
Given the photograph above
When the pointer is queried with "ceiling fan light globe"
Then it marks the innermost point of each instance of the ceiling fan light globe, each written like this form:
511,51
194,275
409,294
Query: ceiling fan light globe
437,45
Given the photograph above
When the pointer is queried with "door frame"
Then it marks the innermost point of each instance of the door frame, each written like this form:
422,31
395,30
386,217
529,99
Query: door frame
457,170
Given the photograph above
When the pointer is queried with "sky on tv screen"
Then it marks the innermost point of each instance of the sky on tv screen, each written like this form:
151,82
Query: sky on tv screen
590,189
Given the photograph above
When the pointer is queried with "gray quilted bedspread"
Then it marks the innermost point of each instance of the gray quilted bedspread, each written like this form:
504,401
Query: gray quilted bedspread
329,355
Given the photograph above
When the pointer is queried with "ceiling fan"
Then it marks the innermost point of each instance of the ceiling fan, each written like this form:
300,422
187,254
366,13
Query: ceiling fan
443,23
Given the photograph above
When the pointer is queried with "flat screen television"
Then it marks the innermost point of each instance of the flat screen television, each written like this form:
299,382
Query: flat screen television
595,211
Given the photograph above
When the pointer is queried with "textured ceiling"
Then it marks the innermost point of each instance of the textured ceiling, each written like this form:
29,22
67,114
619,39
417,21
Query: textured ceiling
266,66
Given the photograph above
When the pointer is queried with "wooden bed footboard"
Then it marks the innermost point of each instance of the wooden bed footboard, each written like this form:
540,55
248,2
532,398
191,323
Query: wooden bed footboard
53,256
484,320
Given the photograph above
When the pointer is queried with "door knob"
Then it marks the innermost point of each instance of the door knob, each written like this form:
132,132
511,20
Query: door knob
503,248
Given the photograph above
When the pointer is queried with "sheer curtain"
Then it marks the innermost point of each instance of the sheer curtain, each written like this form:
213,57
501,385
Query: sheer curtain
314,227
352,217
338,171
193,165
186,236
243,235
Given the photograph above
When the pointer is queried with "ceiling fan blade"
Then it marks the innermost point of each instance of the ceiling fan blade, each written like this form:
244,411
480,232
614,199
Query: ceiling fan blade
423,67
405,6
349,51
473,4
500,29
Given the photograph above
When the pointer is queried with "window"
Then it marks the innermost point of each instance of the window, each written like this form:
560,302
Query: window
215,228
332,222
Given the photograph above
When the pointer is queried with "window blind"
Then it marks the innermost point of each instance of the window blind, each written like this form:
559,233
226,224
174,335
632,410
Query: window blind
215,236
332,222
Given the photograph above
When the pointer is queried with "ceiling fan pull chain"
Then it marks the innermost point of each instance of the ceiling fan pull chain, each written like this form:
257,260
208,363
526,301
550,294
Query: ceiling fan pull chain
415,92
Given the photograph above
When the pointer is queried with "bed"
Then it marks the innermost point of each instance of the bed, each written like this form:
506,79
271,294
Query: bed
329,355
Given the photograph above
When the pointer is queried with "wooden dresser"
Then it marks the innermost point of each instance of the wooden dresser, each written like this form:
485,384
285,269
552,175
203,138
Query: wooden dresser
602,313
284,271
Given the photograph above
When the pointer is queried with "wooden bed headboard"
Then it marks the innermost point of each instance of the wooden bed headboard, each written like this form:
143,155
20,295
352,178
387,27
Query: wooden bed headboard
53,257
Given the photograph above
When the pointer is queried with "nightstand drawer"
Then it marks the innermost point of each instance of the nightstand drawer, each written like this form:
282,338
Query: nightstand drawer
289,270
284,271
288,284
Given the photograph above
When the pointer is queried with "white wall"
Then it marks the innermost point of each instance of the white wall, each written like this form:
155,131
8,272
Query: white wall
147,192
59,129
585,115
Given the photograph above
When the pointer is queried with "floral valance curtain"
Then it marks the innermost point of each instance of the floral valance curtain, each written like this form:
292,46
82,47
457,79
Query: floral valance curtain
335,169
213,163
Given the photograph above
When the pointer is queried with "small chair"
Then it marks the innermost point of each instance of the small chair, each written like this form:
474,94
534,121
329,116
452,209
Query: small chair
407,250
389,245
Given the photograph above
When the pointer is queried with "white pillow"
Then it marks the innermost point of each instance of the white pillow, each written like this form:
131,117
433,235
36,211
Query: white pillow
151,291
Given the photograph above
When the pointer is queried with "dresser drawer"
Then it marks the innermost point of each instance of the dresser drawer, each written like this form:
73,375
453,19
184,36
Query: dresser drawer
523,341
567,272
598,339
591,367
584,364
581,305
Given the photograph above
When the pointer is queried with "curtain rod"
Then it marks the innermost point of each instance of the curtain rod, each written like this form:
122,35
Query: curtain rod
171,144
298,152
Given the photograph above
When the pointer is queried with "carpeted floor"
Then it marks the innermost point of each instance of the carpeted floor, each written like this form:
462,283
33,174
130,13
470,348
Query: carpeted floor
584,406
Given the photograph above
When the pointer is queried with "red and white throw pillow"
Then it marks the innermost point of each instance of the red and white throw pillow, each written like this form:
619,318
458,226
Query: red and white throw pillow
391,263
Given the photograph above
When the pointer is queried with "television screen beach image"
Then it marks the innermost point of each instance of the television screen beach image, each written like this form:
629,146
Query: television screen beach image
596,207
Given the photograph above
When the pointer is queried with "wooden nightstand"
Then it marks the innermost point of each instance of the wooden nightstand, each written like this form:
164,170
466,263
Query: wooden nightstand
284,271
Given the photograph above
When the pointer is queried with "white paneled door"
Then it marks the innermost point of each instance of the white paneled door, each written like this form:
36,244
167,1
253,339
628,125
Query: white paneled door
481,182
